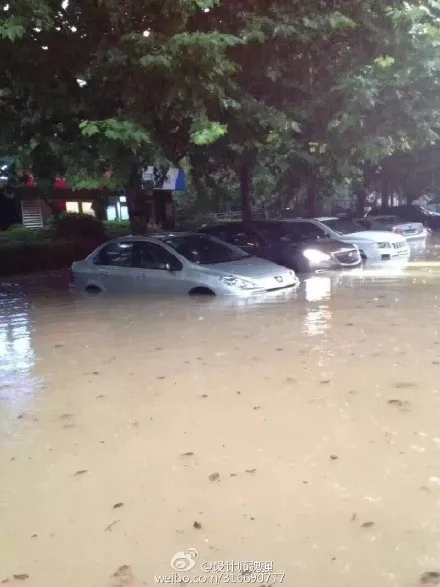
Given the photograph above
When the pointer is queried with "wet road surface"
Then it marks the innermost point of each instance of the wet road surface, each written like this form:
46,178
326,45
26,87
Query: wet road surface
302,430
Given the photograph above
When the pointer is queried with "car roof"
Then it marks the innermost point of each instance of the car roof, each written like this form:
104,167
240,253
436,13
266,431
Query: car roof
255,223
299,219
158,236
225,224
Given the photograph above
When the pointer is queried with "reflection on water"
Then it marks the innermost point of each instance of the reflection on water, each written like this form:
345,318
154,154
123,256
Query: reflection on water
15,347
317,317
318,288
317,410
17,356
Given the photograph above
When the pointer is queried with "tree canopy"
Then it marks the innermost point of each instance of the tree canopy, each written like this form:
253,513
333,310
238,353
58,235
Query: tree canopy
279,93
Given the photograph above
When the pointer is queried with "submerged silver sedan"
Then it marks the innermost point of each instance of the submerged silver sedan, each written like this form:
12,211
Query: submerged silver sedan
188,263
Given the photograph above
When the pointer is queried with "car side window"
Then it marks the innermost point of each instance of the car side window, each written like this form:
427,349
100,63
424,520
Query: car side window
307,230
118,254
153,256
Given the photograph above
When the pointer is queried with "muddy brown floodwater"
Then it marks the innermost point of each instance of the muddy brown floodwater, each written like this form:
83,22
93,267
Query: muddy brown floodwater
301,430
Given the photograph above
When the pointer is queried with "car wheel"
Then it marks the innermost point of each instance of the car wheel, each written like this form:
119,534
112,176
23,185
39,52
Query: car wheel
93,289
201,291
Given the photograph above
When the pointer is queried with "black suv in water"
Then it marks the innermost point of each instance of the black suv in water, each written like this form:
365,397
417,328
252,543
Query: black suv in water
297,246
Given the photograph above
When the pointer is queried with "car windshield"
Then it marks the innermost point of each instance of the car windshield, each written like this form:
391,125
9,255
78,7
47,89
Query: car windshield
276,231
390,219
427,212
343,226
204,250
292,231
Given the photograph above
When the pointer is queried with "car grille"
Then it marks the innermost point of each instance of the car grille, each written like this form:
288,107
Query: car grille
348,257
400,245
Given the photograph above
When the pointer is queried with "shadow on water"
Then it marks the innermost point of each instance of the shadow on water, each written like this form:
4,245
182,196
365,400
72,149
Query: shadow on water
297,427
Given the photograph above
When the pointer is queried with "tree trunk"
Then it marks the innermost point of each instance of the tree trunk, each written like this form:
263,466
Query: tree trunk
163,208
136,203
361,197
246,185
385,194
199,188
137,210
99,207
46,193
216,195
311,202
363,188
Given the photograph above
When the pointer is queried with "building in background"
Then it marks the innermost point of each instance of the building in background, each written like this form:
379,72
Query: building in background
19,204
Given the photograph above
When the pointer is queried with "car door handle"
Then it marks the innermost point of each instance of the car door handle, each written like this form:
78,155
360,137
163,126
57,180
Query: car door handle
104,273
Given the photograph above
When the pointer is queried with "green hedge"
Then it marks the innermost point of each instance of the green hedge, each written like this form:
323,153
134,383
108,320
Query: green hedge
20,234
16,258
66,239
71,226
68,226
117,228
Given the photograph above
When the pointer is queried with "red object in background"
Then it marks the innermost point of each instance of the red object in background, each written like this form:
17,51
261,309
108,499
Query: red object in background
60,205
60,183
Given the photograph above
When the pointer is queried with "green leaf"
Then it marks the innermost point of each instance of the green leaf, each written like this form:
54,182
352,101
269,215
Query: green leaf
159,61
12,29
33,144
384,61
295,126
334,124
206,5
207,132
90,129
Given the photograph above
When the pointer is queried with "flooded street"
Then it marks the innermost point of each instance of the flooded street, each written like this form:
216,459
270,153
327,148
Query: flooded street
303,429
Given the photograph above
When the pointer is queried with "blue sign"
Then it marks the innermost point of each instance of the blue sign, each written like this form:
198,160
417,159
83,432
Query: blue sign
175,180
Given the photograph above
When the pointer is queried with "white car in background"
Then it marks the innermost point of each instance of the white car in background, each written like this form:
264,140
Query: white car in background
374,245
412,231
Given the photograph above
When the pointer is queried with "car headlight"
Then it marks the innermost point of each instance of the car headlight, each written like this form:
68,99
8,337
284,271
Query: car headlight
383,245
315,256
238,282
